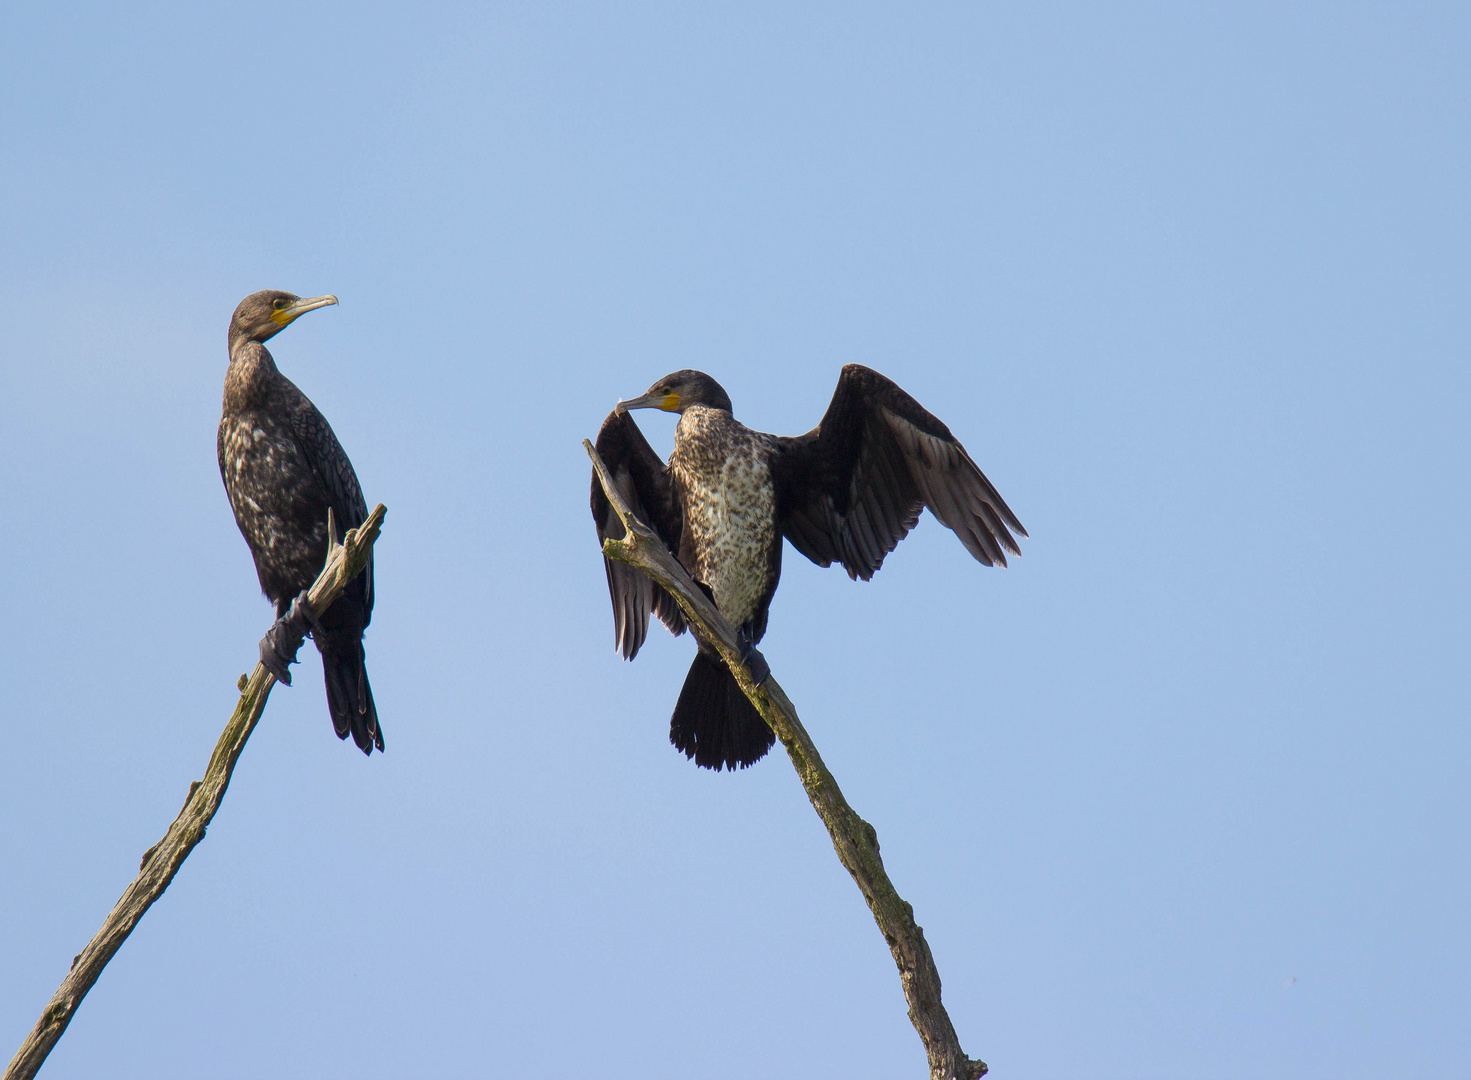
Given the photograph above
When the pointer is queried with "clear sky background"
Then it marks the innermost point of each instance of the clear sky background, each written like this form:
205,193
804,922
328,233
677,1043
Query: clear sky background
1181,794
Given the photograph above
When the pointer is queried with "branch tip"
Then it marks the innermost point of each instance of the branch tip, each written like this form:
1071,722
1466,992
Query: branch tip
610,489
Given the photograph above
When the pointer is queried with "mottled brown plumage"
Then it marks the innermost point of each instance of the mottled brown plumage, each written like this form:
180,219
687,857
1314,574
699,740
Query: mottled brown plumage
721,471
283,469
848,491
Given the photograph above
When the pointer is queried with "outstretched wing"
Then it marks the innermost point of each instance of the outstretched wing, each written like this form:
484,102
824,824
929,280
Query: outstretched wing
334,472
643,481
849,490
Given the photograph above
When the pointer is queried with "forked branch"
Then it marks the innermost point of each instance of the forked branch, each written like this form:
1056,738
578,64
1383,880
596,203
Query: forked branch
162,861
854,839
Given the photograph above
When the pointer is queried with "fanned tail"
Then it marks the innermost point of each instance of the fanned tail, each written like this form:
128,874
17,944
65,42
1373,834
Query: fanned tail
714,722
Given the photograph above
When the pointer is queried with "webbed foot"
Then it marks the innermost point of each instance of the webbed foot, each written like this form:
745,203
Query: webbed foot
752,658
278,648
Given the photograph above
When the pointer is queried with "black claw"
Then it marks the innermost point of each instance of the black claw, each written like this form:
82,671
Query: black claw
760,669
752,658
272,659
278,648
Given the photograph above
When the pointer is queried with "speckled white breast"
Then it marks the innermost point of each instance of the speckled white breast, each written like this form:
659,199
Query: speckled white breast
265,477
729,506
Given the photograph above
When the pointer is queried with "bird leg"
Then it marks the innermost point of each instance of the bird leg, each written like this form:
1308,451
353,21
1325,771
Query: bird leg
278,648
751,656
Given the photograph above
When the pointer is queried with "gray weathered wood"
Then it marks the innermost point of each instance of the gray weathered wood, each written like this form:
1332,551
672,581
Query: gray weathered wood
162,861
854,839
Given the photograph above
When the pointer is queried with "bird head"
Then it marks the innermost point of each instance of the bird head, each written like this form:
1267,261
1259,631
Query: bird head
677,392
265,314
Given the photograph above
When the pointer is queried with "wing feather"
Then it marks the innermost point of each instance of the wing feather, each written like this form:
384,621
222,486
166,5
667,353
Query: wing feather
334,472
853,487
643,481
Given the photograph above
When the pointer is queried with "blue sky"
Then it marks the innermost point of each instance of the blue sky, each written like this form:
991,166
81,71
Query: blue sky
1180,794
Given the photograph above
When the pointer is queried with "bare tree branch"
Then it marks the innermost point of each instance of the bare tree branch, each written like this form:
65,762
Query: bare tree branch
854,839
162,861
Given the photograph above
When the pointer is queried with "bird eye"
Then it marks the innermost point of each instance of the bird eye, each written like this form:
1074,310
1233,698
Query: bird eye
279,304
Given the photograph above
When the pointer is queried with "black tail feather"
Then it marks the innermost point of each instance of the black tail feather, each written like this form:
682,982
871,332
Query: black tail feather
714,722
349,697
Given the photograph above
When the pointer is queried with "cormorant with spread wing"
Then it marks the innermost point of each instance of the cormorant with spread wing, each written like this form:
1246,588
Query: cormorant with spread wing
847,492
283,469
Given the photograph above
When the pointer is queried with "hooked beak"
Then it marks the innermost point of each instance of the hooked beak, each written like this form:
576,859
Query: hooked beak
291,312
667,402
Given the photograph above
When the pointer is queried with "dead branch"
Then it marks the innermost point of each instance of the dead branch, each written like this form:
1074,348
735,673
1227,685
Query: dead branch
854,839
162,861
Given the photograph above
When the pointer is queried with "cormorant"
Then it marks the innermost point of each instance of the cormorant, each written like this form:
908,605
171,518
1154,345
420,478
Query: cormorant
848,491
283,469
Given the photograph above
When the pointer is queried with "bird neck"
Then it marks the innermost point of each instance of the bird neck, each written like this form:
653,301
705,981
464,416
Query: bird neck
251,373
